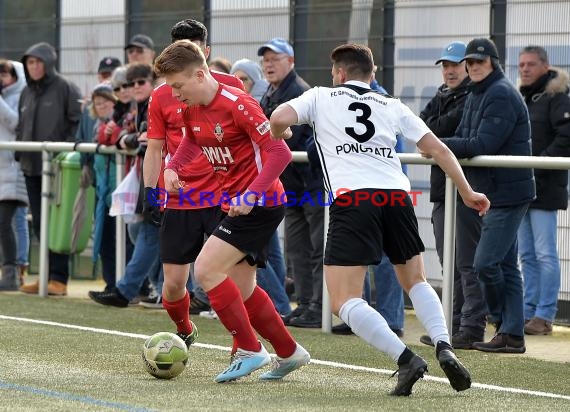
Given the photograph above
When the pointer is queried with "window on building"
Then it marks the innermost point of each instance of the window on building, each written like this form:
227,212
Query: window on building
155,18
26,22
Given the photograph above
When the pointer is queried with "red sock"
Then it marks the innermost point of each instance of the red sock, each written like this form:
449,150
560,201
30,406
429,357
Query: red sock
226,301
179,313
267,322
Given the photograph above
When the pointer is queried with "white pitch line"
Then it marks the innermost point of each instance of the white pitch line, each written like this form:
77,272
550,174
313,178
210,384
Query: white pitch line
314,361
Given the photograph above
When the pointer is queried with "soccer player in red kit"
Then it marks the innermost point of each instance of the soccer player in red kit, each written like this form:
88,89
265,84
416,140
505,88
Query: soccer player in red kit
192,216
229,127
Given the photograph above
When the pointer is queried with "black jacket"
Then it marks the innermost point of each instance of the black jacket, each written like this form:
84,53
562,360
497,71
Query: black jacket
49,109
442,115
495,122
549,109
297,177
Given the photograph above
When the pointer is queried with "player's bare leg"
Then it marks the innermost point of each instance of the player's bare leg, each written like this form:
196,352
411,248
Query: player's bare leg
175,279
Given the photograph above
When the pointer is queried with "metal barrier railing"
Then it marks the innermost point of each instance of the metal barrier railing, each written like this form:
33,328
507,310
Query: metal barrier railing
47,148
534,162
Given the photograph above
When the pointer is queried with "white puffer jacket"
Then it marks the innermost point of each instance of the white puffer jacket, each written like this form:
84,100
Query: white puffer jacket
12,185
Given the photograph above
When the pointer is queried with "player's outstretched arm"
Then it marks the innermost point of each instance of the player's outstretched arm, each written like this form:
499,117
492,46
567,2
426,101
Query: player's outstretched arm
152,162
283,117
431,146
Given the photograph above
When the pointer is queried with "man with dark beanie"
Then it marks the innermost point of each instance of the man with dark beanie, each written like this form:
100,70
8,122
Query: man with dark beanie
495,121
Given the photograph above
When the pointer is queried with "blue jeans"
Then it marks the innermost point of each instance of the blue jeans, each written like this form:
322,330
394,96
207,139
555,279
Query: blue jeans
58,262
496,265
20,224
389,294
540,263
276,259
144,261
304,242
272,278
469,306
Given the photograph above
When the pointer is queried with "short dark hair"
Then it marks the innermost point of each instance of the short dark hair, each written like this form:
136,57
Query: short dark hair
139,71
356,59
189,29
538,50
221,64
177,57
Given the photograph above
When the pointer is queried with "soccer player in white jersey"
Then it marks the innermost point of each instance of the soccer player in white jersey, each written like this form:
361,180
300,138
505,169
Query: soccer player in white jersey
355,132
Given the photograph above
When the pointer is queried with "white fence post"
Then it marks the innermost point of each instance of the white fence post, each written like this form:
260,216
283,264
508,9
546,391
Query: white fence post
449,252
44,224
120,230
326,308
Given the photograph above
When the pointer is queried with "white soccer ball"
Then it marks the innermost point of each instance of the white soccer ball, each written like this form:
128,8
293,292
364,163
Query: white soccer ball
164,355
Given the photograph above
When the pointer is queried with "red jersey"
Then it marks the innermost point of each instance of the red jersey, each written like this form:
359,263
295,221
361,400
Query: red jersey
233,133
201,188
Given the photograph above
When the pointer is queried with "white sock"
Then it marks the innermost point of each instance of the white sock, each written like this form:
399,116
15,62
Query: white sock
371,326
429,311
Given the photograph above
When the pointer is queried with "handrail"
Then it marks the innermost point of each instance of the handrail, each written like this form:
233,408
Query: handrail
535,162
47,148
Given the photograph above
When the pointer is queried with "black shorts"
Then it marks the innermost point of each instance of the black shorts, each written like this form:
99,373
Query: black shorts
251,233
182,233
360,230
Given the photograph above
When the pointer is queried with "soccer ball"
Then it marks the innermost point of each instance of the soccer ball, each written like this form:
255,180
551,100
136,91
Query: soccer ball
164,355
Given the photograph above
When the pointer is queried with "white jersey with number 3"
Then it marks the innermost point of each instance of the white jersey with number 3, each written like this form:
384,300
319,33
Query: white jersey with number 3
355,132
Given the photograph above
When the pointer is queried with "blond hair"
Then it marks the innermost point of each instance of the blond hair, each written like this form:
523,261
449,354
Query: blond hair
178,57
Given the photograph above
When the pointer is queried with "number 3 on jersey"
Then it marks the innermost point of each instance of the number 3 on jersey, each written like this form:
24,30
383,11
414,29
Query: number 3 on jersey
362,119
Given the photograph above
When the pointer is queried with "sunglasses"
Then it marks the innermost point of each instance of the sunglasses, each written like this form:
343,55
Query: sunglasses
133,50
122,86
140,82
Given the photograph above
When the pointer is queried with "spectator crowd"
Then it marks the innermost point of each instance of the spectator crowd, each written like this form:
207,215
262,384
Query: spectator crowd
507,270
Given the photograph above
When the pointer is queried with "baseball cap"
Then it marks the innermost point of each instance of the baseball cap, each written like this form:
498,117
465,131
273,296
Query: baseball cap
108,64
140,40
480,49
278,45
453,52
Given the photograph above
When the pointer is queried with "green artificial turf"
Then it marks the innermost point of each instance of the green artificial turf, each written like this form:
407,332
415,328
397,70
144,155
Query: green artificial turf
48,367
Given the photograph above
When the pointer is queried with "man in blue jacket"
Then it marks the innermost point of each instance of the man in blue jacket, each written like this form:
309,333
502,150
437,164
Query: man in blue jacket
442,115
304,216
495,121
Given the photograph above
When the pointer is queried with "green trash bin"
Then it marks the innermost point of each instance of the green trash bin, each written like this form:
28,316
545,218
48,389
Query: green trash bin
66,191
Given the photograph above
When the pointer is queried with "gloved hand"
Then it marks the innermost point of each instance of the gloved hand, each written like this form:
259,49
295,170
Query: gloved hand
151,210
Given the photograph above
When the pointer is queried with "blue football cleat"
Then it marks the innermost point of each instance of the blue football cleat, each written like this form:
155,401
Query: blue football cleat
284,366
243,363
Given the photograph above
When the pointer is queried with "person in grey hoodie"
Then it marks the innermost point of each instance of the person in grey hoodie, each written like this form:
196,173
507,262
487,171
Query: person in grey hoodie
249,72
12,187
49,110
